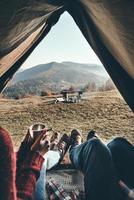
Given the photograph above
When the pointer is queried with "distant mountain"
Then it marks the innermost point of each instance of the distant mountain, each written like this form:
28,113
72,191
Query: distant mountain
56,76
58,71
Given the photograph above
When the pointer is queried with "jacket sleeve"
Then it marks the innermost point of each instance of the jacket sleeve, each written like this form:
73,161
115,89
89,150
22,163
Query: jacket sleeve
28,175
22,154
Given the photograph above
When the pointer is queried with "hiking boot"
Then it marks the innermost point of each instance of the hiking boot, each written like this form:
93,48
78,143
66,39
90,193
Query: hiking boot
54,140
63,145
75,138
91,134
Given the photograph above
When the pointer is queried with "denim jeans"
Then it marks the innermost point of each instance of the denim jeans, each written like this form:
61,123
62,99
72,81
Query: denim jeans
94,159
51,159
123,157
103,166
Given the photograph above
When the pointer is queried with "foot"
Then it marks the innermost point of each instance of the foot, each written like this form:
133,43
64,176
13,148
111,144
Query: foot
63,145
91,134
75,138
54,140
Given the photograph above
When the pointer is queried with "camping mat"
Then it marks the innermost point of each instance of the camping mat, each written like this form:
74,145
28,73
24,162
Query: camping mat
69,179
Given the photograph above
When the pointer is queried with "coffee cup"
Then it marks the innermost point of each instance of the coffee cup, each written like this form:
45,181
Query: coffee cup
37,129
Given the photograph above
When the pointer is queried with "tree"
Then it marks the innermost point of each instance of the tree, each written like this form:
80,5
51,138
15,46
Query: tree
90,87
45,92
109,85
71,89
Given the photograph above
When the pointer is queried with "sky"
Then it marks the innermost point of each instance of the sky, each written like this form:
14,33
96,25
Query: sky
64,42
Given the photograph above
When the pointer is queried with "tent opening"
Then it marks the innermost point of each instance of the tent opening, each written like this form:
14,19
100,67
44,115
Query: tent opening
65,61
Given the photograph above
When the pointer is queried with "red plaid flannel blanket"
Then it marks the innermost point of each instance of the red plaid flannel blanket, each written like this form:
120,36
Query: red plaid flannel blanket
56,192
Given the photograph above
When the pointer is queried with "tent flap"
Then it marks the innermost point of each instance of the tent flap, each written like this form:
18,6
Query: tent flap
116,59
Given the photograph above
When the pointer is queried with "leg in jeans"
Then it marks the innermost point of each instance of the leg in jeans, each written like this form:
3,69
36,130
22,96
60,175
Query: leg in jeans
123,157
94,159
51,159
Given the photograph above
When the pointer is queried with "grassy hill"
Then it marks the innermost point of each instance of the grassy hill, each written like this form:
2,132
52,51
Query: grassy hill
105,112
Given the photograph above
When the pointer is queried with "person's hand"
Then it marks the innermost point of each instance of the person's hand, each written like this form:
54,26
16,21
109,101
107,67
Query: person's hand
54,140
31,138
41,144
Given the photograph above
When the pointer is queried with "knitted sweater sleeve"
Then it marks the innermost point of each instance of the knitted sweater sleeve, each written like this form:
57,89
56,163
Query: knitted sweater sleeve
27,176
22,154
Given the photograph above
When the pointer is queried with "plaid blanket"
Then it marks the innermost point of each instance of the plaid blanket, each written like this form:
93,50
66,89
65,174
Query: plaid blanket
56,192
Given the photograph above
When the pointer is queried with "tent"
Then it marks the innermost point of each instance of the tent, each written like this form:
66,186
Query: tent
107,25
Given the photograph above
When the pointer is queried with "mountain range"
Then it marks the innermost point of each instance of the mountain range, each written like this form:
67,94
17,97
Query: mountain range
55,77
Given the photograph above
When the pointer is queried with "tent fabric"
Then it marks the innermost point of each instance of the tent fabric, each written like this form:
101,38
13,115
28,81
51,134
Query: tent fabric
108,26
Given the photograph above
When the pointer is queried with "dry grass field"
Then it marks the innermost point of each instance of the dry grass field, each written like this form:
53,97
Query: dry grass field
105,112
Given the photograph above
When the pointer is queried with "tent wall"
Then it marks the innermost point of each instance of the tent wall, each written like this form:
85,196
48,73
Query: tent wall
21,25
20,18
102,24
12,62
107,25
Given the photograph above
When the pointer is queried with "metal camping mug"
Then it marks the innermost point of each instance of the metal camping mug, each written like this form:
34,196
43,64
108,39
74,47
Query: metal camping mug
36,129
